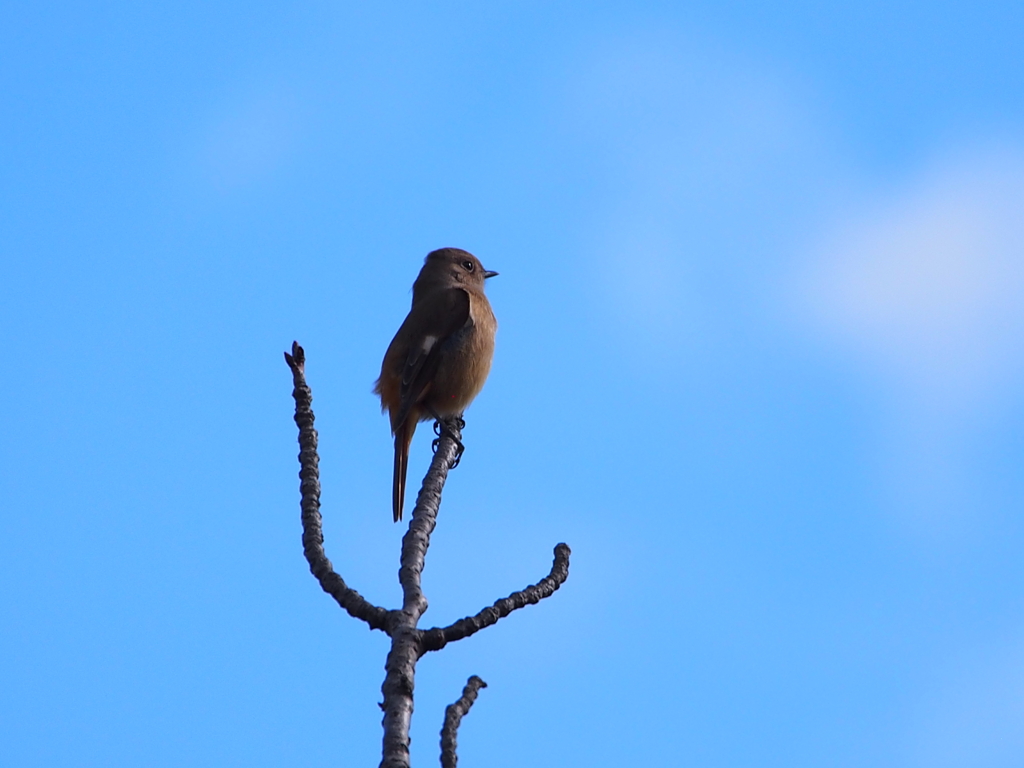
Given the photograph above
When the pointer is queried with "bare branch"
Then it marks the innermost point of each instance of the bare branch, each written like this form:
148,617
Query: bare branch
424,519
406,638
437,638
309,486
453,715
408,643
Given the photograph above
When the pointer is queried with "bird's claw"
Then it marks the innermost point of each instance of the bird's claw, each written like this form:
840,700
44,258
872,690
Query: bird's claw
440,428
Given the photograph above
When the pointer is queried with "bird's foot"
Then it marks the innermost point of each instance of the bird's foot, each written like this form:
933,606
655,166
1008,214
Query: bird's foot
452,426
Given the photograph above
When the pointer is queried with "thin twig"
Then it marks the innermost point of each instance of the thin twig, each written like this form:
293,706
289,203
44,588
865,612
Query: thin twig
309,486
437,638
405,637
424,519
453,715
408,643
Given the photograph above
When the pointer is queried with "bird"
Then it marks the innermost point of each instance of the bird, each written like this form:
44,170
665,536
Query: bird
439,359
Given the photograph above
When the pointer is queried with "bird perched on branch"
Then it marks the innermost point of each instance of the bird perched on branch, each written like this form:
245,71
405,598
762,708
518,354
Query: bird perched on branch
440,357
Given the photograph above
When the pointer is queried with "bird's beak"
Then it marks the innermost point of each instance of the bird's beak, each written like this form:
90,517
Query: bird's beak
489,273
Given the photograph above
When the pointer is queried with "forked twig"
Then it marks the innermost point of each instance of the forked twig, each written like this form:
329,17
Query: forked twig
408,642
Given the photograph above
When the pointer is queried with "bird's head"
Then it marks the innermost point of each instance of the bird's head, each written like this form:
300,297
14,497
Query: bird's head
447,267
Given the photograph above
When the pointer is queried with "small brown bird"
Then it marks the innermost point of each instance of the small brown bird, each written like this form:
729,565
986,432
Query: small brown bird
440,357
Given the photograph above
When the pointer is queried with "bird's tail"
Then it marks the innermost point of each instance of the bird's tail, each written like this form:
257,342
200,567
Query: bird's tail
403,437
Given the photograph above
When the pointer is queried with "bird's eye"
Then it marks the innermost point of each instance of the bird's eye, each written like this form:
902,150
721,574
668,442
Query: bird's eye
468,265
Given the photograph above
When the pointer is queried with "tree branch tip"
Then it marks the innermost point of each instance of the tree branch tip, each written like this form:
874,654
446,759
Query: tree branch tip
297,359
453,715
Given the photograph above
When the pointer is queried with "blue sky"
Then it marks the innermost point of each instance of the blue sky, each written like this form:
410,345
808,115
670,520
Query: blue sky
759,364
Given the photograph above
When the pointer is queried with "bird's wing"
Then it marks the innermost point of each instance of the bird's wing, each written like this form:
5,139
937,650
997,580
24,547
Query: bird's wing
436,317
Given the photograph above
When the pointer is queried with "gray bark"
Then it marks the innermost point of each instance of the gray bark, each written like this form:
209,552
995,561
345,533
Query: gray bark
408,642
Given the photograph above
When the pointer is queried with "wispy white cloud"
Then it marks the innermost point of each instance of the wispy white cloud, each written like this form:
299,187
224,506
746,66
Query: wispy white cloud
973,716
922,290
717,170
928,285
